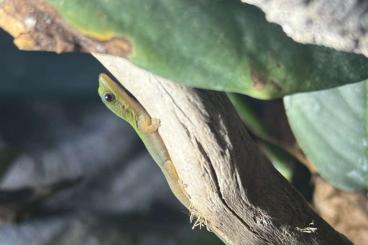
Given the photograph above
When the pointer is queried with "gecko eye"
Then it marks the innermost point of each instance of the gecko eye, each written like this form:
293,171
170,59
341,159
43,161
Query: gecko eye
109,97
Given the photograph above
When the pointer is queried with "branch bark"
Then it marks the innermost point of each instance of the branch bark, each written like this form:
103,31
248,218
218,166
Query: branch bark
232,186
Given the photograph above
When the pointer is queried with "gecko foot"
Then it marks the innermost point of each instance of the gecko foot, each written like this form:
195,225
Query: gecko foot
147,124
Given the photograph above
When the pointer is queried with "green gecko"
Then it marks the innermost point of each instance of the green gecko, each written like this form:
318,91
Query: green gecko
125,106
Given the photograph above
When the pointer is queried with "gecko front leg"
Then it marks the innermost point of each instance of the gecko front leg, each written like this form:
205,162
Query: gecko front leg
146,124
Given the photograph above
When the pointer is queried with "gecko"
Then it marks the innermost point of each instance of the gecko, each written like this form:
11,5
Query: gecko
123,104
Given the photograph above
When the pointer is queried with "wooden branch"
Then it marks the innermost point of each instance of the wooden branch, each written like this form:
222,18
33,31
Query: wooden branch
232,187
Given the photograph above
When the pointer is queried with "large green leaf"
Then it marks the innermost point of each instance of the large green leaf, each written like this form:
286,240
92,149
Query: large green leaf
215,44
332,128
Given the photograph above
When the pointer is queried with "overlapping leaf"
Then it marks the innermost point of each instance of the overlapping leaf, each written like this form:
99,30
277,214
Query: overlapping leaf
332,128
215,44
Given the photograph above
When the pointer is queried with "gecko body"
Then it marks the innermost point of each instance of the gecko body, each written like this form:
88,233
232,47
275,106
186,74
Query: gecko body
126,106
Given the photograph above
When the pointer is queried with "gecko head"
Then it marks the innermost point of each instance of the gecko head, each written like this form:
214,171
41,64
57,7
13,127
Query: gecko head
111,94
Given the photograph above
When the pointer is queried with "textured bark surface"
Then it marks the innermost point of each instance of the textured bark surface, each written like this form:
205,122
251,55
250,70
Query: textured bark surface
340,24
232,187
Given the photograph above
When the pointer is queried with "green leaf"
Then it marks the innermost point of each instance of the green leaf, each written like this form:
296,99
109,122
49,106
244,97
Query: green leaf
281,160
332,128
215,44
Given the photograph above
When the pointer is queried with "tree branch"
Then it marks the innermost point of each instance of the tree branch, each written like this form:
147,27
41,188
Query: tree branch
232,187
